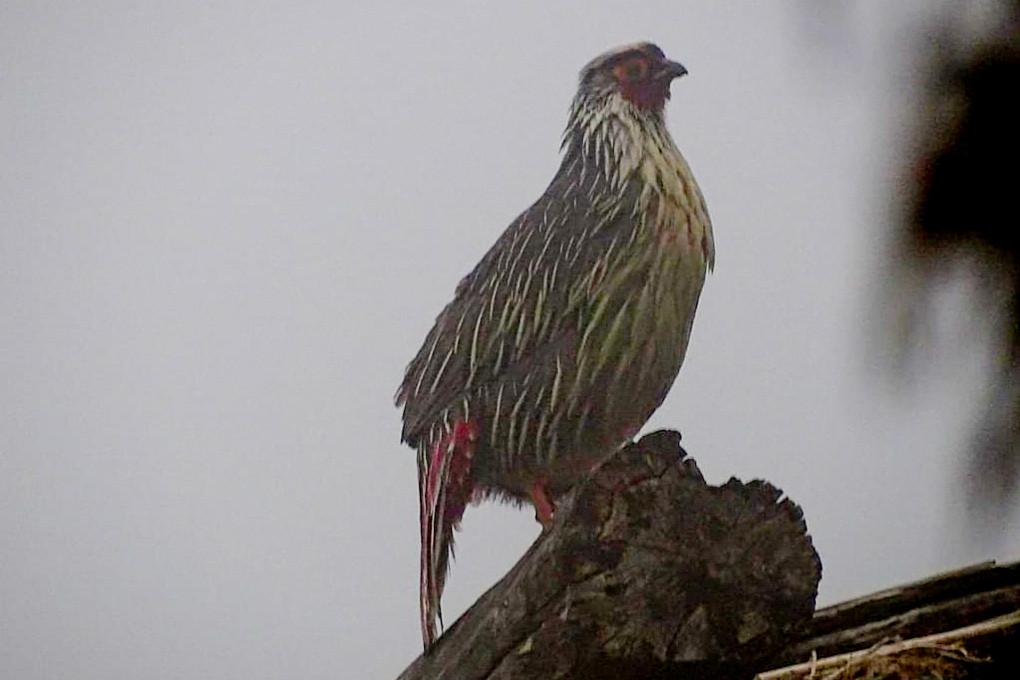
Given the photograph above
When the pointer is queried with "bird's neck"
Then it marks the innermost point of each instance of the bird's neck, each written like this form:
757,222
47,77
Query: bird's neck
616,151
606,135
610,137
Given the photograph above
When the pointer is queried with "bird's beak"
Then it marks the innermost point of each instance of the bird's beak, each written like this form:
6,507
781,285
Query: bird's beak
670,70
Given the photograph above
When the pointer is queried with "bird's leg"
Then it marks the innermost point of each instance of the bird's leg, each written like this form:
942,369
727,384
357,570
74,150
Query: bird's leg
544,508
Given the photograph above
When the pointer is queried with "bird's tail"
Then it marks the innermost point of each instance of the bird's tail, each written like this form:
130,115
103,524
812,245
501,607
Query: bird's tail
444,489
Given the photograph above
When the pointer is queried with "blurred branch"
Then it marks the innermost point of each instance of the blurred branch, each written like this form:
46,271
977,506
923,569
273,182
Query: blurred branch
962,211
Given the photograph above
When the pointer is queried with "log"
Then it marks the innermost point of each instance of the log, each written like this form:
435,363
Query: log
981,650
646,572
962,624
964,585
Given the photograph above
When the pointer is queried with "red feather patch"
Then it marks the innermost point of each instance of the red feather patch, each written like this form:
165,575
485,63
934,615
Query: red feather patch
446,488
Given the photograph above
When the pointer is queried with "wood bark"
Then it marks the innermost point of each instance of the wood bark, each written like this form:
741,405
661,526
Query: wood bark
964,624
647,572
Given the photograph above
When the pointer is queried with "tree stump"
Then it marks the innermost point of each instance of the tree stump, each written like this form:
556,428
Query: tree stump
647,572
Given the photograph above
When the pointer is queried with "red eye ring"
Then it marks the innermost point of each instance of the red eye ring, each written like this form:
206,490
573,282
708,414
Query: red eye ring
631,71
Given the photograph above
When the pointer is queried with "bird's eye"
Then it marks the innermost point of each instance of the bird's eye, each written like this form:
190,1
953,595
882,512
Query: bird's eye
631,71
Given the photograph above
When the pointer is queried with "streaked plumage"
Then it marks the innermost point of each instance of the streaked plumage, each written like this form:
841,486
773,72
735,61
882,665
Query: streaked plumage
568,334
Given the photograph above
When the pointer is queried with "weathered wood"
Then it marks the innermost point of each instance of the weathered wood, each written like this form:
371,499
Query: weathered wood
964,582
921,621
647,572
948,654
945,602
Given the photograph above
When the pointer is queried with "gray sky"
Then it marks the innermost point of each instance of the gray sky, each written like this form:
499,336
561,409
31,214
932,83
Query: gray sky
225,232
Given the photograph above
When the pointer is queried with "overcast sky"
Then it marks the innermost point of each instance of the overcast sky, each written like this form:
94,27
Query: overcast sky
226,231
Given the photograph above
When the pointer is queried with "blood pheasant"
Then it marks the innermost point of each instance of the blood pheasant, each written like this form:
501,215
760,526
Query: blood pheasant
568,334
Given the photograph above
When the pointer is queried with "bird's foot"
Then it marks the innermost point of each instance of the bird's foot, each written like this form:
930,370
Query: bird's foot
544,508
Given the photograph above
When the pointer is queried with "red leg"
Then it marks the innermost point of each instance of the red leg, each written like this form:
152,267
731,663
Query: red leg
544,508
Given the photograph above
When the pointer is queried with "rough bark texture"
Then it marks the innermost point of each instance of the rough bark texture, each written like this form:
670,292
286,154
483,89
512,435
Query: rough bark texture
647,572
917,609
965,624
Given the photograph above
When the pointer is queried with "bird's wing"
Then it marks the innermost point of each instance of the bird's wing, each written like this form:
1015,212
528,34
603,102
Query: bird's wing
511,314
514,302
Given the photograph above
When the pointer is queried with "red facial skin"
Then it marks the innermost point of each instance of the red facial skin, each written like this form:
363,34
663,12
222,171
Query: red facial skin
639,85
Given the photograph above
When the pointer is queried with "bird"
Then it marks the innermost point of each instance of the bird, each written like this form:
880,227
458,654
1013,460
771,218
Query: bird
568,334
